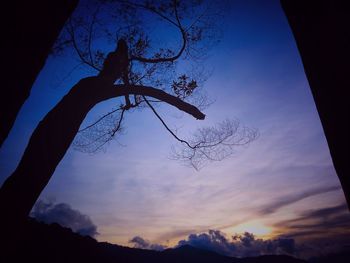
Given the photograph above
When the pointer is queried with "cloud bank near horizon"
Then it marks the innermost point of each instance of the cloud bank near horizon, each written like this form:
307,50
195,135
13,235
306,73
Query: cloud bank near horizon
64,215
313,233
139,242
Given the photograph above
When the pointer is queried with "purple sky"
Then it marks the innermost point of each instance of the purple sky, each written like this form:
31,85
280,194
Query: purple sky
134,189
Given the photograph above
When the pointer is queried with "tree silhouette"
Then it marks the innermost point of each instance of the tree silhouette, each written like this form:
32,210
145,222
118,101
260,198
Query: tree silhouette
133,69
193,31
33,29
321,32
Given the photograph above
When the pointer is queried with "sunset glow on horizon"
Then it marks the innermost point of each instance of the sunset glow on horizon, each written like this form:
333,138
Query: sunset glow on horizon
277,191
255,227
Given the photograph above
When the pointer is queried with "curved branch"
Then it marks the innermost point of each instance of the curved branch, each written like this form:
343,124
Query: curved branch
55,133
122,90
91,30
165,125
92,146
214,143
150,9
168,59
100,119
71,32
183,34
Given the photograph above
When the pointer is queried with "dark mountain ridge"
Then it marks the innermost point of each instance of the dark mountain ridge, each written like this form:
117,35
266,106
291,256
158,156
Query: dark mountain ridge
52,243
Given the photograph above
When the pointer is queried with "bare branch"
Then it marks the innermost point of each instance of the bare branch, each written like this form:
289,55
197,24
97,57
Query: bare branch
178,25
70,30
68,75
90,32
92,138
164,124
214,143
150,9
120,90
209,144
99,119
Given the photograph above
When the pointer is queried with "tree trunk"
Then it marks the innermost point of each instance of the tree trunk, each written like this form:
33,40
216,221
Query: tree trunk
321,30
53,136
33,27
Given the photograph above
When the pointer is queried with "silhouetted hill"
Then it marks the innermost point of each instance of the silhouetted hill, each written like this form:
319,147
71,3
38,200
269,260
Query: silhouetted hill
342,257
53,243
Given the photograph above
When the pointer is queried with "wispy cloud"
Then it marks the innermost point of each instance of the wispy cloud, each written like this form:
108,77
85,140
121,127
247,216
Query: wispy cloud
327,212
327,222
288,200
320,231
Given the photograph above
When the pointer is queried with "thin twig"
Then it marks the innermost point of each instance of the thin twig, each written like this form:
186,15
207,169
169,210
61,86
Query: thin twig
100,119
176,24
153,10
75,46
165,125
91,32
119,123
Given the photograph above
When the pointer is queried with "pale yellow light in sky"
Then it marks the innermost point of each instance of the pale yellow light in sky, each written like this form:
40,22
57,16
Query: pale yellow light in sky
255,227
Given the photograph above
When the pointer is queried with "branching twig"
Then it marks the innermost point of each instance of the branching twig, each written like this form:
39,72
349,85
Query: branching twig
210,144
176,24
95,139
207,144
91,33
70,30
164,124
214,143
148,8
99,119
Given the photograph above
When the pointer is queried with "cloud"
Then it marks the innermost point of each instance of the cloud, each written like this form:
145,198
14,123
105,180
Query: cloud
327,212
139,242
314,233
64,215
328,221
321,231
214,240
295,198
180,233
245,245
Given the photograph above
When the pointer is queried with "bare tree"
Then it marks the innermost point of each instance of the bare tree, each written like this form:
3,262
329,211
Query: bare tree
129,71
193,31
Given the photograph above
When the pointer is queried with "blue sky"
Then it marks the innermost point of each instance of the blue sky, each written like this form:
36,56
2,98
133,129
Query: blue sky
133,188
